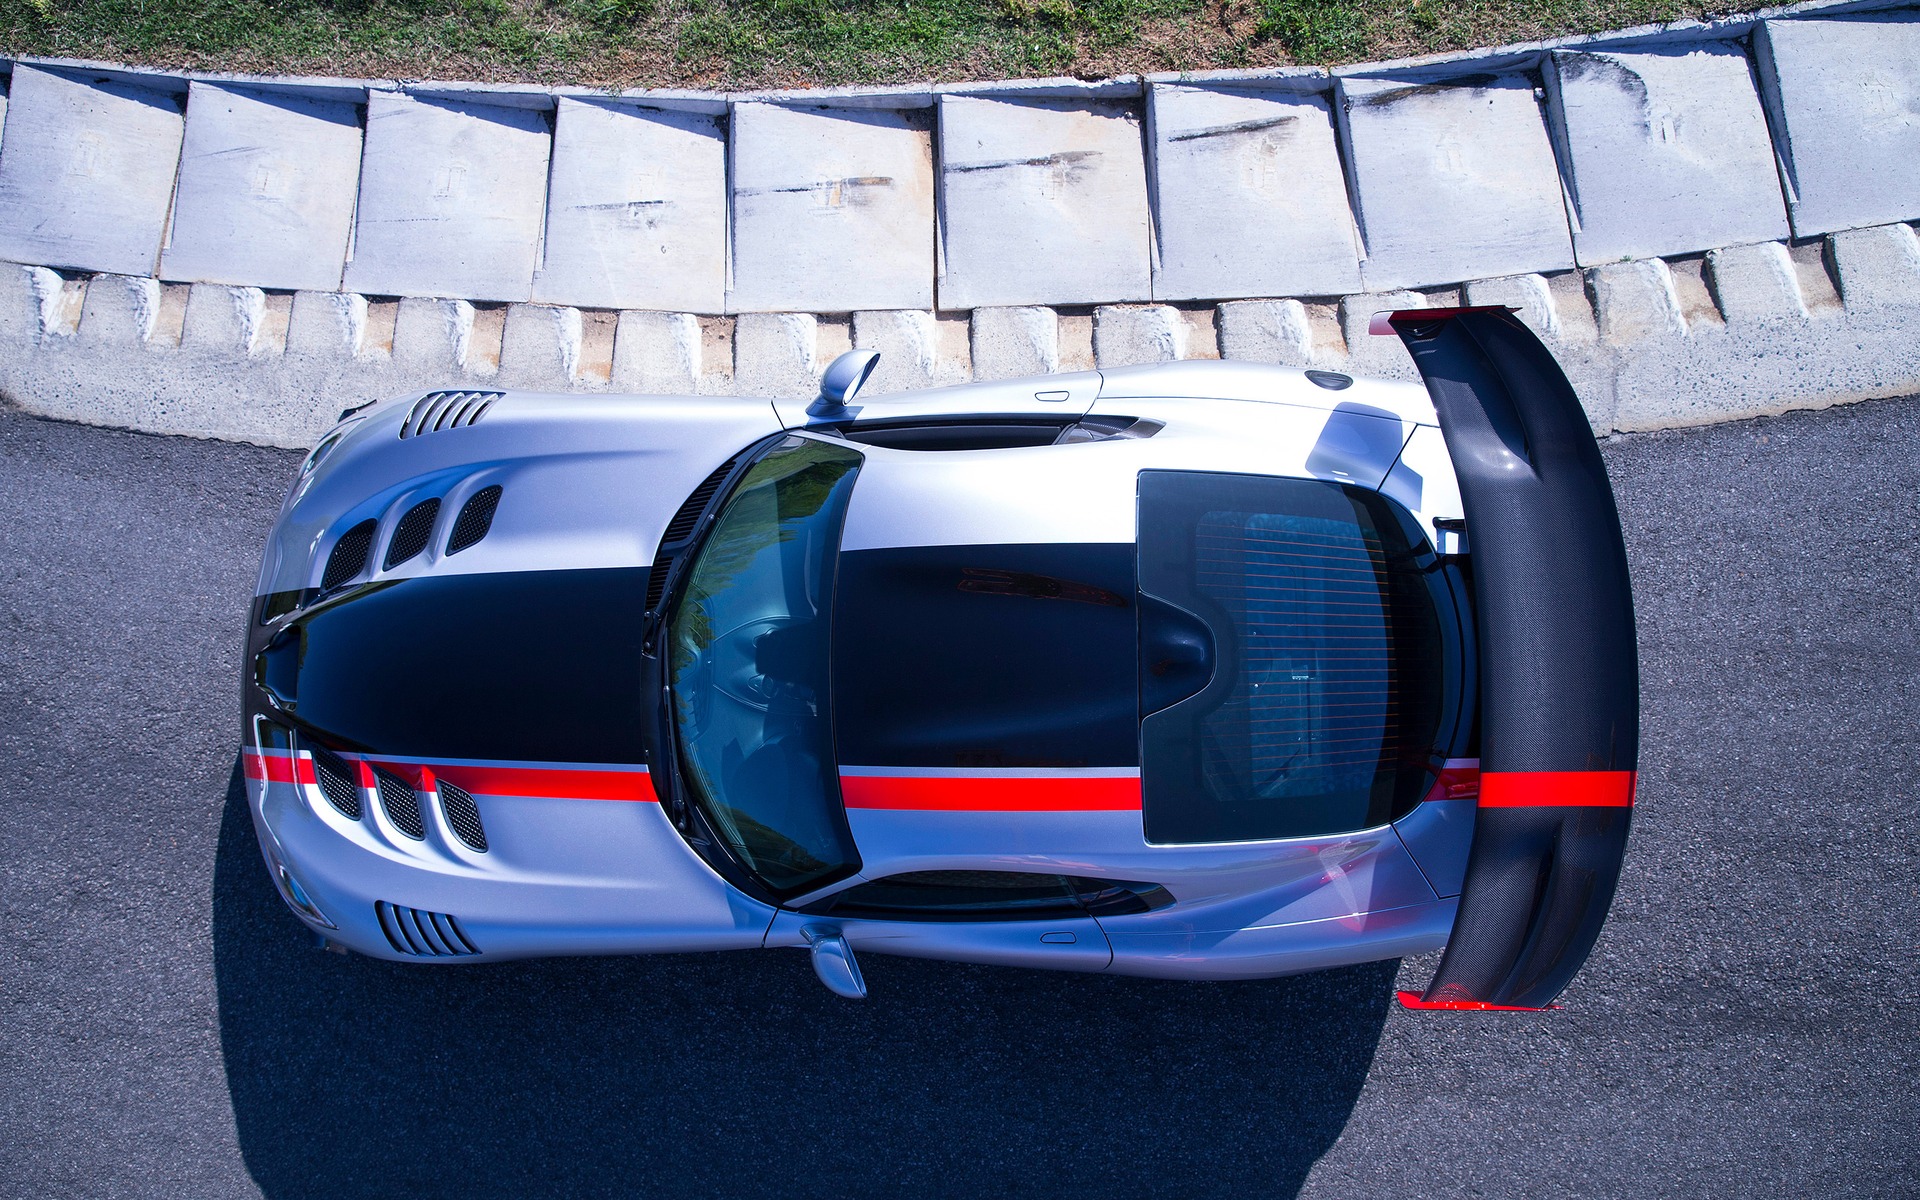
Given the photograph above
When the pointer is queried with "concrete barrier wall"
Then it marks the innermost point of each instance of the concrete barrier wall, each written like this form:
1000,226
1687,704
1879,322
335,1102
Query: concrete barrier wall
1704,220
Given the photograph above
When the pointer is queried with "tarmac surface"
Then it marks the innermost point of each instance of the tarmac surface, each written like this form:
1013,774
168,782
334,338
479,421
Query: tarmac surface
1748,1023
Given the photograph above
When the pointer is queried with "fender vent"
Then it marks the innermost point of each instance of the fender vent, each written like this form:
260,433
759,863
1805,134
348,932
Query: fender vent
476,517
464,815
436,411
402,804
421,934
411,535
349,556
335,778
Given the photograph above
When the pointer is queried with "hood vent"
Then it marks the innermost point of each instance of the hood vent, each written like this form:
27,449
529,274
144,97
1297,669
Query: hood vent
417,933
336,780
681,528
475,519
436,411
402,805
349,556
689,514
411,535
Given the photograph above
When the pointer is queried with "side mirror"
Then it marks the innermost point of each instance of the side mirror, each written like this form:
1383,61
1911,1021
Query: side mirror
833,962
843,379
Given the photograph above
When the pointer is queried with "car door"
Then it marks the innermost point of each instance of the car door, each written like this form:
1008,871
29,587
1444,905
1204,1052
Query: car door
1004,918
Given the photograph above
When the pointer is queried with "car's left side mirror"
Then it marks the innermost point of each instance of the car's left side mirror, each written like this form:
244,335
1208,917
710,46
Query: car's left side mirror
833,962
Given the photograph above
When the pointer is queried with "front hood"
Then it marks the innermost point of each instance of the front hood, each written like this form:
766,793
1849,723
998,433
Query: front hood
586,482
986,656
535,666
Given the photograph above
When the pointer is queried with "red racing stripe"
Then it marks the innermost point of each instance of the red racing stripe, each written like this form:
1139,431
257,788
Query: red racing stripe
1559,789
277,768
563,783
991,793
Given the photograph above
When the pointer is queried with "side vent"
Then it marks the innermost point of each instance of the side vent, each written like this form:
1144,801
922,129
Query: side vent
681,527
402,804
411,535
464,815
436,411
476,517
336,780
420,934
349,556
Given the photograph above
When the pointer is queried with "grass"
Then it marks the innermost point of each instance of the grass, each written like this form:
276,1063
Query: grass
785,43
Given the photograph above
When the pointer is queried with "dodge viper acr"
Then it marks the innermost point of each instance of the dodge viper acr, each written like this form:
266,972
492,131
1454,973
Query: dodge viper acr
1202,670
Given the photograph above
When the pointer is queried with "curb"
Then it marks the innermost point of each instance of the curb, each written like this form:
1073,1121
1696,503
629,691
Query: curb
1705,221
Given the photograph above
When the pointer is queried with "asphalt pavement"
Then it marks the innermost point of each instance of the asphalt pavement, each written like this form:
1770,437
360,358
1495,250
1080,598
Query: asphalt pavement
1748,1024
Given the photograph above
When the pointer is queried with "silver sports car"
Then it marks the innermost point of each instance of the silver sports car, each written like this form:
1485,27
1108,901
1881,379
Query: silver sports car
1204,670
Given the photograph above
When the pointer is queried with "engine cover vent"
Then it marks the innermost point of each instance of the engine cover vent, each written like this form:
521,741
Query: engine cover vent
401,802
464,815
476,517
349,556
436,411
420,934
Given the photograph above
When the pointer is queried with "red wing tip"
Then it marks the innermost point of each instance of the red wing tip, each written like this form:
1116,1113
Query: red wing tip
1382,322
1415,1001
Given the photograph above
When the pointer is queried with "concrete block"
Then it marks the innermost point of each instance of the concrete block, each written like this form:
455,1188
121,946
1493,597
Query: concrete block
59,300
1634,301
1877,267
19,305
327,323
119,311
1251,199
1669,152
541,346
431,336
267,185
908,342
657,353
774,354
1043,202
452,195
832,209
1267,331
1381,356
86,172
1846,95
1007,343
1125,336
224,319
1755,283
1528,293
1454,181
637,209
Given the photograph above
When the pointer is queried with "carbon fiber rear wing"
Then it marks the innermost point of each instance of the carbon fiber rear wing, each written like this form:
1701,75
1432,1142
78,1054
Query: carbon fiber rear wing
1559,673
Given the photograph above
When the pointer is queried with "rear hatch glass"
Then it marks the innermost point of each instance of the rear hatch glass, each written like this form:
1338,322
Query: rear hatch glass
1327,689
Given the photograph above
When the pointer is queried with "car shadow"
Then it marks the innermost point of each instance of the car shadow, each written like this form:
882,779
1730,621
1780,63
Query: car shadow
739,1074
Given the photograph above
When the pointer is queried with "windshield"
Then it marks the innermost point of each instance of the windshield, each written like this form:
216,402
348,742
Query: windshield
747,661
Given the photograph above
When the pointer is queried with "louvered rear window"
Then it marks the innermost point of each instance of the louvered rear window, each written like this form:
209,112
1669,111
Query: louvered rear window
1326,692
